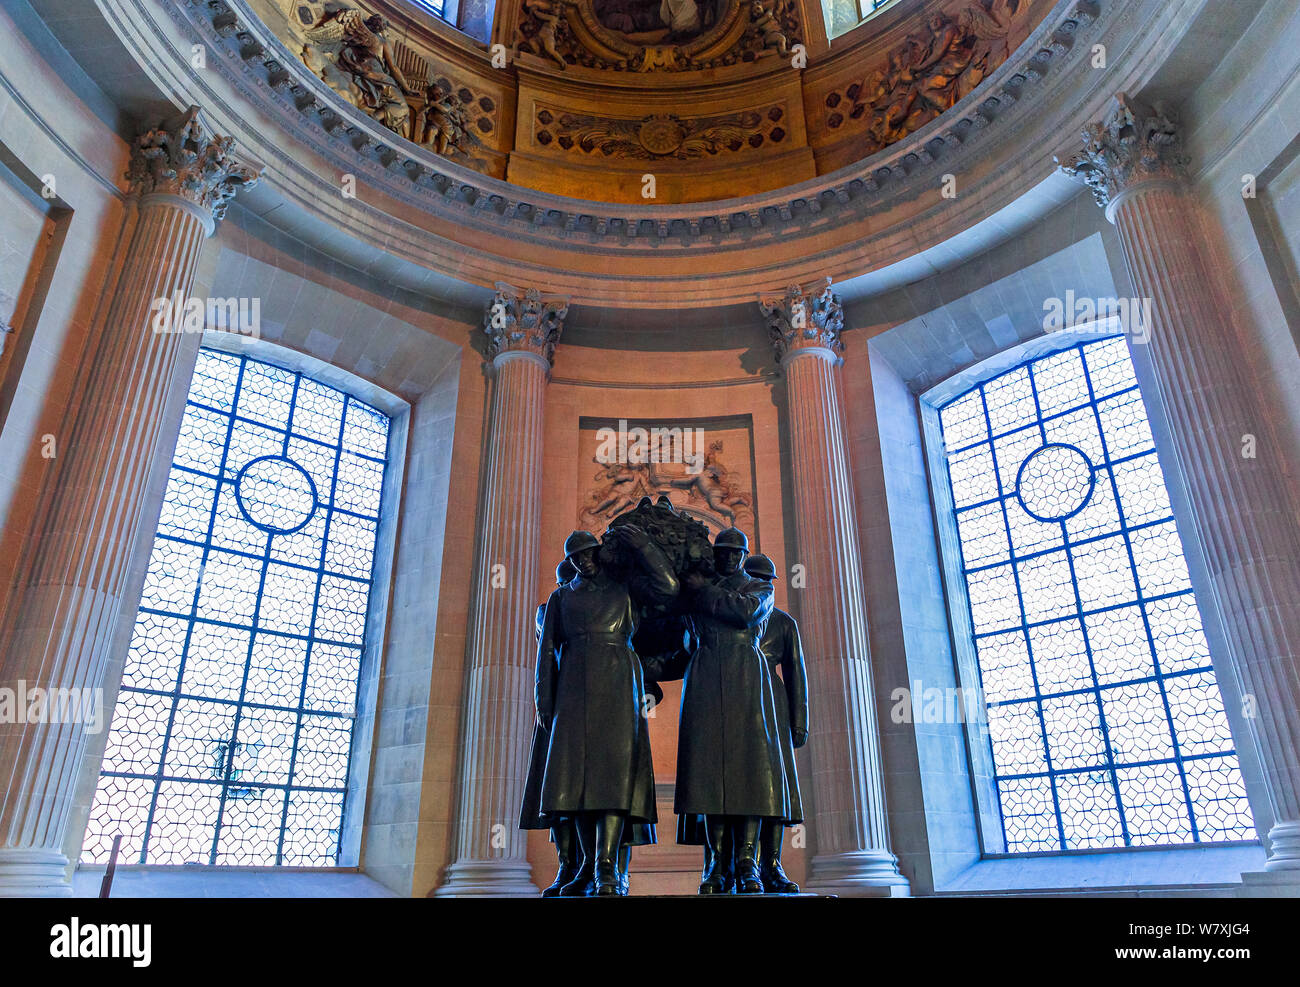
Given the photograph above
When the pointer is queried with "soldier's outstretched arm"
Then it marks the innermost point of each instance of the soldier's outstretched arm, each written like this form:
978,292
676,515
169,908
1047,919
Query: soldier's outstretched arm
652,580
795,675
747,606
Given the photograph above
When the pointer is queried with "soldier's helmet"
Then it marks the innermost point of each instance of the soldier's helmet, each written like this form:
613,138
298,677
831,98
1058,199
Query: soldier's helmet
579,541
760,567
564,572
731,538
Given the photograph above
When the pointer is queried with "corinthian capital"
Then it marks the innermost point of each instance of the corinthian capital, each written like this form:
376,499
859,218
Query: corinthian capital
524,321
806,317
187,160
1134,143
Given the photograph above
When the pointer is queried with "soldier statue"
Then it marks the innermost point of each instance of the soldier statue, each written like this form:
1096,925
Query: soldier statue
780,645
590,697
563,833
730,766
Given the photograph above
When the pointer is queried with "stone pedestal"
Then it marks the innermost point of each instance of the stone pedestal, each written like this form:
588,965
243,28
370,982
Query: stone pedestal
848,826
56,633
522,330
1248,528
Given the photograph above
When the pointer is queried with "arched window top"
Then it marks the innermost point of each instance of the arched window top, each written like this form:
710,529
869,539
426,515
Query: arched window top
435,7
842,16
1105,720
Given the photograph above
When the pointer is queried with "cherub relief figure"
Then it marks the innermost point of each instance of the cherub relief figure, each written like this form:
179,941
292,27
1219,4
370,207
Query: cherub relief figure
713,484
544,42
619,487
356,46
893,100
990,28
944,57
440,124
934,69
766,24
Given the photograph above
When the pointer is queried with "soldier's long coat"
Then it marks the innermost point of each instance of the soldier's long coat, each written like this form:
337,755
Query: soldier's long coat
530,810
590,686
780,645
729,758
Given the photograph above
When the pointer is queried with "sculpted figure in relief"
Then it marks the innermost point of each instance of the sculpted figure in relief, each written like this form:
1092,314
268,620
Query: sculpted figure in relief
766,25
544,42
356,47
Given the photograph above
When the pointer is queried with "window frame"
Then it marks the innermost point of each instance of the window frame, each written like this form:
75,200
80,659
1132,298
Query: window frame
379,604
448,15
956,601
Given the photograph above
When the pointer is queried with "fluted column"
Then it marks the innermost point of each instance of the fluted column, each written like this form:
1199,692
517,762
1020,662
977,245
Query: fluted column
57,630
522,330
1133,162
849,829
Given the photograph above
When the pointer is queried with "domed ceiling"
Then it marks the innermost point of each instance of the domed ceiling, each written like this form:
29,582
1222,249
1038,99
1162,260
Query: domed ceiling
403,148
653,101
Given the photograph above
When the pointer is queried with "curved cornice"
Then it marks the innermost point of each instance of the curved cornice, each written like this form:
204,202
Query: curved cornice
416,206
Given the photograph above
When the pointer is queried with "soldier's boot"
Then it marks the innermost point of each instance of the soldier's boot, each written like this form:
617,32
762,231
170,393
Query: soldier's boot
748,876
624,864
773,874
729,861
714,879
569,854
609,836
584,881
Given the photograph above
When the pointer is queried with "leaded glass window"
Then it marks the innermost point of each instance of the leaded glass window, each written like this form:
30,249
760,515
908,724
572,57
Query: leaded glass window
868,7
842,16
232,732
1104,714
432,6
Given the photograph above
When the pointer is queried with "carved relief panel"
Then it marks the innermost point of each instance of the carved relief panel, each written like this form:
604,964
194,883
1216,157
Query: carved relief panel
452,106
859,105
705,467
699,142
656,35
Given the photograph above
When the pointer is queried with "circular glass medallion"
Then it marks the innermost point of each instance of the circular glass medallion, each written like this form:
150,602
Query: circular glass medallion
1054,482
276,494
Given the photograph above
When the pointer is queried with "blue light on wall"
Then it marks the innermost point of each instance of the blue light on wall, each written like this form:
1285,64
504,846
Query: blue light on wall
1105,718
231,737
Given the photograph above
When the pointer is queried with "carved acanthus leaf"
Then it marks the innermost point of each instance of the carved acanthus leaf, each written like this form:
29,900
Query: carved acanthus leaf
186,159
1134,143
524,320
805,316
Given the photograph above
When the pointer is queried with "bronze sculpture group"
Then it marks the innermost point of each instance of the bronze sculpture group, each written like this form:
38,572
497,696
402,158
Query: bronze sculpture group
654,601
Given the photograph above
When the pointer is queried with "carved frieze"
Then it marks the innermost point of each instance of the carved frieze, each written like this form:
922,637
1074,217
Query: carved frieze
661,136
705,471
296,104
